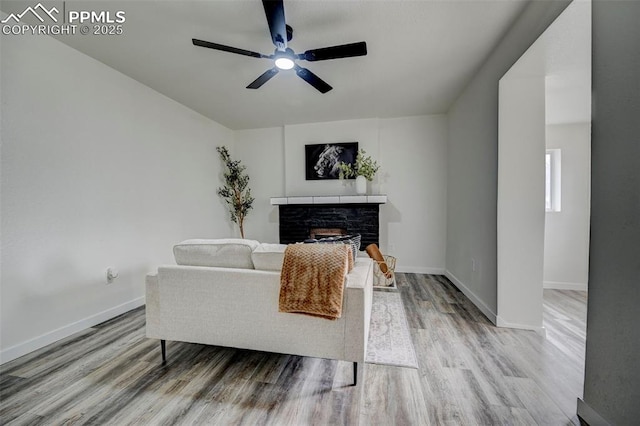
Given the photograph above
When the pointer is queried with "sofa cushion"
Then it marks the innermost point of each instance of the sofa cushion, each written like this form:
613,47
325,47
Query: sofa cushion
268,257
225,253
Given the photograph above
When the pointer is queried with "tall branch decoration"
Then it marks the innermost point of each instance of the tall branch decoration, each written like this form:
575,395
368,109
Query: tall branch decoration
235,192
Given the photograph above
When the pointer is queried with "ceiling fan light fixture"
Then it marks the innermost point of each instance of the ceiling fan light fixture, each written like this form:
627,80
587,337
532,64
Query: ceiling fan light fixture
284,63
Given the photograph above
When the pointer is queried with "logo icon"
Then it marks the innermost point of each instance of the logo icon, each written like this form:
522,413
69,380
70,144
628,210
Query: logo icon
34,11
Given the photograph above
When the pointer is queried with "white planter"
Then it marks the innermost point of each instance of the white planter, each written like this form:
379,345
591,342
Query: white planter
361,185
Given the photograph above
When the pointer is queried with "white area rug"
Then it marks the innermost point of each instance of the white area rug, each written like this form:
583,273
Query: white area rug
389,337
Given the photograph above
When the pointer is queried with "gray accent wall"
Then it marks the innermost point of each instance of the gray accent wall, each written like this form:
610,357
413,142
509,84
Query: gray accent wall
471,258
612,376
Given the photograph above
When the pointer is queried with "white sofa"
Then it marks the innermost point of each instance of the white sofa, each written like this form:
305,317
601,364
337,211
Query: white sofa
219,298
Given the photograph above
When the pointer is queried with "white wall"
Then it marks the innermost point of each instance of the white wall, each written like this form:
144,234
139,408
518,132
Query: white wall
97,171
521,149
412,155
365,132
473,162
566,236
262,152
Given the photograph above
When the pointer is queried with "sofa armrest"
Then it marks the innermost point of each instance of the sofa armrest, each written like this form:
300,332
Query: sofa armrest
152,299
357,278
358,300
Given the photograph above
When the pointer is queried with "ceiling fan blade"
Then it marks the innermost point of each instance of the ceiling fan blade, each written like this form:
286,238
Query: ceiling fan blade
274,9
266,76
313,79
335,52
229,49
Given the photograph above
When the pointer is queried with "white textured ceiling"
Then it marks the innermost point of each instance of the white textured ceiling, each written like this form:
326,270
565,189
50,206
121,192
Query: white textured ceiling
421,54
562,55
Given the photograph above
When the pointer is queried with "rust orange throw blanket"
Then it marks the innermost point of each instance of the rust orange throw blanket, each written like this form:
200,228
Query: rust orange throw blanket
312,279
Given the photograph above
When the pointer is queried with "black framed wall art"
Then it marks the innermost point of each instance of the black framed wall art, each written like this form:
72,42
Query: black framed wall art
322,160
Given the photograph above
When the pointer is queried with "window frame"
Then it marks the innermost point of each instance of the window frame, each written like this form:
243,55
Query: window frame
553,180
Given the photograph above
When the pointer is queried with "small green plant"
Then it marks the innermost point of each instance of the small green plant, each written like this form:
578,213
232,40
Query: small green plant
235,192
364,166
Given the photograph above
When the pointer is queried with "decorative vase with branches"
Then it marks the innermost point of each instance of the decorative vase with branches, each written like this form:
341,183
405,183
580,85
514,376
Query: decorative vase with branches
236,192
364,169
364,166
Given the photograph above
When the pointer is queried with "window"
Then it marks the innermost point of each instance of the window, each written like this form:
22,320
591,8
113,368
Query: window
552,180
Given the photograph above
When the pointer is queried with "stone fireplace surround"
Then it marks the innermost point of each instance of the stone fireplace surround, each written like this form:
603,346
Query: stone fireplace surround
299,216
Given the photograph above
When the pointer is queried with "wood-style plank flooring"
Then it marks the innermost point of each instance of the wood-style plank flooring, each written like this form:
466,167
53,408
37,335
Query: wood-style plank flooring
471,373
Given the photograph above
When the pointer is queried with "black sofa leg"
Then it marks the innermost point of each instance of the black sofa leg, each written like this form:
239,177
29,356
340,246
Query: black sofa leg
163,347
355,373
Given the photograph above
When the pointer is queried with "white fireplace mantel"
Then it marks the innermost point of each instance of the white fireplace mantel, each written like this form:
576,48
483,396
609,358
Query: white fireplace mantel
329,199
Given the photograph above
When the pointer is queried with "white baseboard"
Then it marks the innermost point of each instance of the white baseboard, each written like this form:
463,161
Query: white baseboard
472,296
419,270
43,340
500,322
556,285
589,415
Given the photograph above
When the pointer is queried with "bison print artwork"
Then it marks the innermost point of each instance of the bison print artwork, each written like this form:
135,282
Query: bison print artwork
322,160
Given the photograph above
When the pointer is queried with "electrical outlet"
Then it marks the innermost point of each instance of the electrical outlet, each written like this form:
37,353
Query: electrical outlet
473,265
392,247
112,274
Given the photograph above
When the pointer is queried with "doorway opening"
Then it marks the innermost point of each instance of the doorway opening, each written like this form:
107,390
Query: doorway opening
544,104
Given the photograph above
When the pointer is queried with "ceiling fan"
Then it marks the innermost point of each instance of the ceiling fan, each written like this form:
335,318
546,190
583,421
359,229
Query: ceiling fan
284,57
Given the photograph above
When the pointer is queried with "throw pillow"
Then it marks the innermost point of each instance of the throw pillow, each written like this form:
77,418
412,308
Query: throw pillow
352,240
225,253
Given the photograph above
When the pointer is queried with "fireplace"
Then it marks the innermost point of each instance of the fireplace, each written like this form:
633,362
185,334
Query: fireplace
302,221
319,233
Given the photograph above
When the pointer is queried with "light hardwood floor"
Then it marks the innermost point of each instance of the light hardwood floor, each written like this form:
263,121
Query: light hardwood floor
471,373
